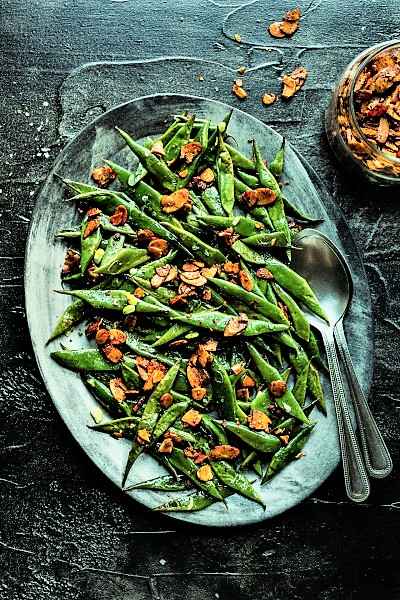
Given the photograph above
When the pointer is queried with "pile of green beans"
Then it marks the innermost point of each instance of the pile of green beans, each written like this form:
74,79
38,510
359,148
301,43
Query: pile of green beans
198,347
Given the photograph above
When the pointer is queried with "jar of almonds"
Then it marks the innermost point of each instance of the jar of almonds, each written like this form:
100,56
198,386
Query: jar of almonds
363,118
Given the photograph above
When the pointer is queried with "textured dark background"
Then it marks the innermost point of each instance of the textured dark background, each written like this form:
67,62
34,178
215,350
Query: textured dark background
65,532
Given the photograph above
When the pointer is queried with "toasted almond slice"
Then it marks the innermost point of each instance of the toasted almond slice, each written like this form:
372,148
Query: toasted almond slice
289,86
231,268
203,356
224,452
158,248
194,279
245,281
102,337
284,439
117,386
205,473
156,281
166,446
117,336
190,267
248,382
259,420
91,227
198,393
275,30
243,393
278,387
289,27
103,176
239,91
172,274
163,271
207,175
268,99
120,215
143,436
178,200
383,131
206,295
158,148
196,376
112,353
236,325
190,151
166,400
293,15
209,271
192,418
237,369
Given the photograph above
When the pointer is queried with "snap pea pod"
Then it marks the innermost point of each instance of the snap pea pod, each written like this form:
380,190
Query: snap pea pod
298,359
286,374
266,240
108,201
146,196
250,180
71,316
174,331
189,503
211,199
89,245
299,320
209,254
263,442
101,299
241,225
122,261
202,137
72,233
148,270
160,171
125,426
313,350
163,483
127,178
253,278
257,467
239,159
298,214
261,401
186,466
287,401
277,163
114,245
226,185
186,435
296,285
150,414
216,321
169,417
181,137
248,254
213,427
129,374
276,210
169,132
259,213
78,186
286,453
106,225
263,306
226,392
103,394
236,481
269,293
315,388
88,359
300,387
290,423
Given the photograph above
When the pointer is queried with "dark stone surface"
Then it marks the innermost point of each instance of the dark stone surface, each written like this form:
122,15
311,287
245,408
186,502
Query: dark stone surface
65,532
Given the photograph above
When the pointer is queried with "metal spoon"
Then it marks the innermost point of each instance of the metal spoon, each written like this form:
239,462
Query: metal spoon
316,261
376,455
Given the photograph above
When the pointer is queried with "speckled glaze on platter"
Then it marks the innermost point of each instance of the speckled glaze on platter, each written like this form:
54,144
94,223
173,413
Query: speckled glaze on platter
44,257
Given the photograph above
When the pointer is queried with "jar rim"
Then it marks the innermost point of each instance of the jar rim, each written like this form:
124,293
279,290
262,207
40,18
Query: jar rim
373,51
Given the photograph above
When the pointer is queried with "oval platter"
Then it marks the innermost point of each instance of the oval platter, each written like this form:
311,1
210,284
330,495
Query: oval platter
44,258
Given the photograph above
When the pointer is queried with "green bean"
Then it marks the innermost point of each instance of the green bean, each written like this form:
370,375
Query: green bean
150,414
151,163
282,457
89,245
266,240
300,322
300,386
263,442
277,164
287,401
163,483
125,426
315,388
209,254
169,417
186,466
239,159
234,480
88,359
211,199
226,392
226,186
296,285
262,305
178,140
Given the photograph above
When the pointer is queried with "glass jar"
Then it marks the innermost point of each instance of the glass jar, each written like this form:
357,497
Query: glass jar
363,119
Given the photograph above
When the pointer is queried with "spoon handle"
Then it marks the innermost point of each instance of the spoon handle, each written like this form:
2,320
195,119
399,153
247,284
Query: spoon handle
355,476
376,455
